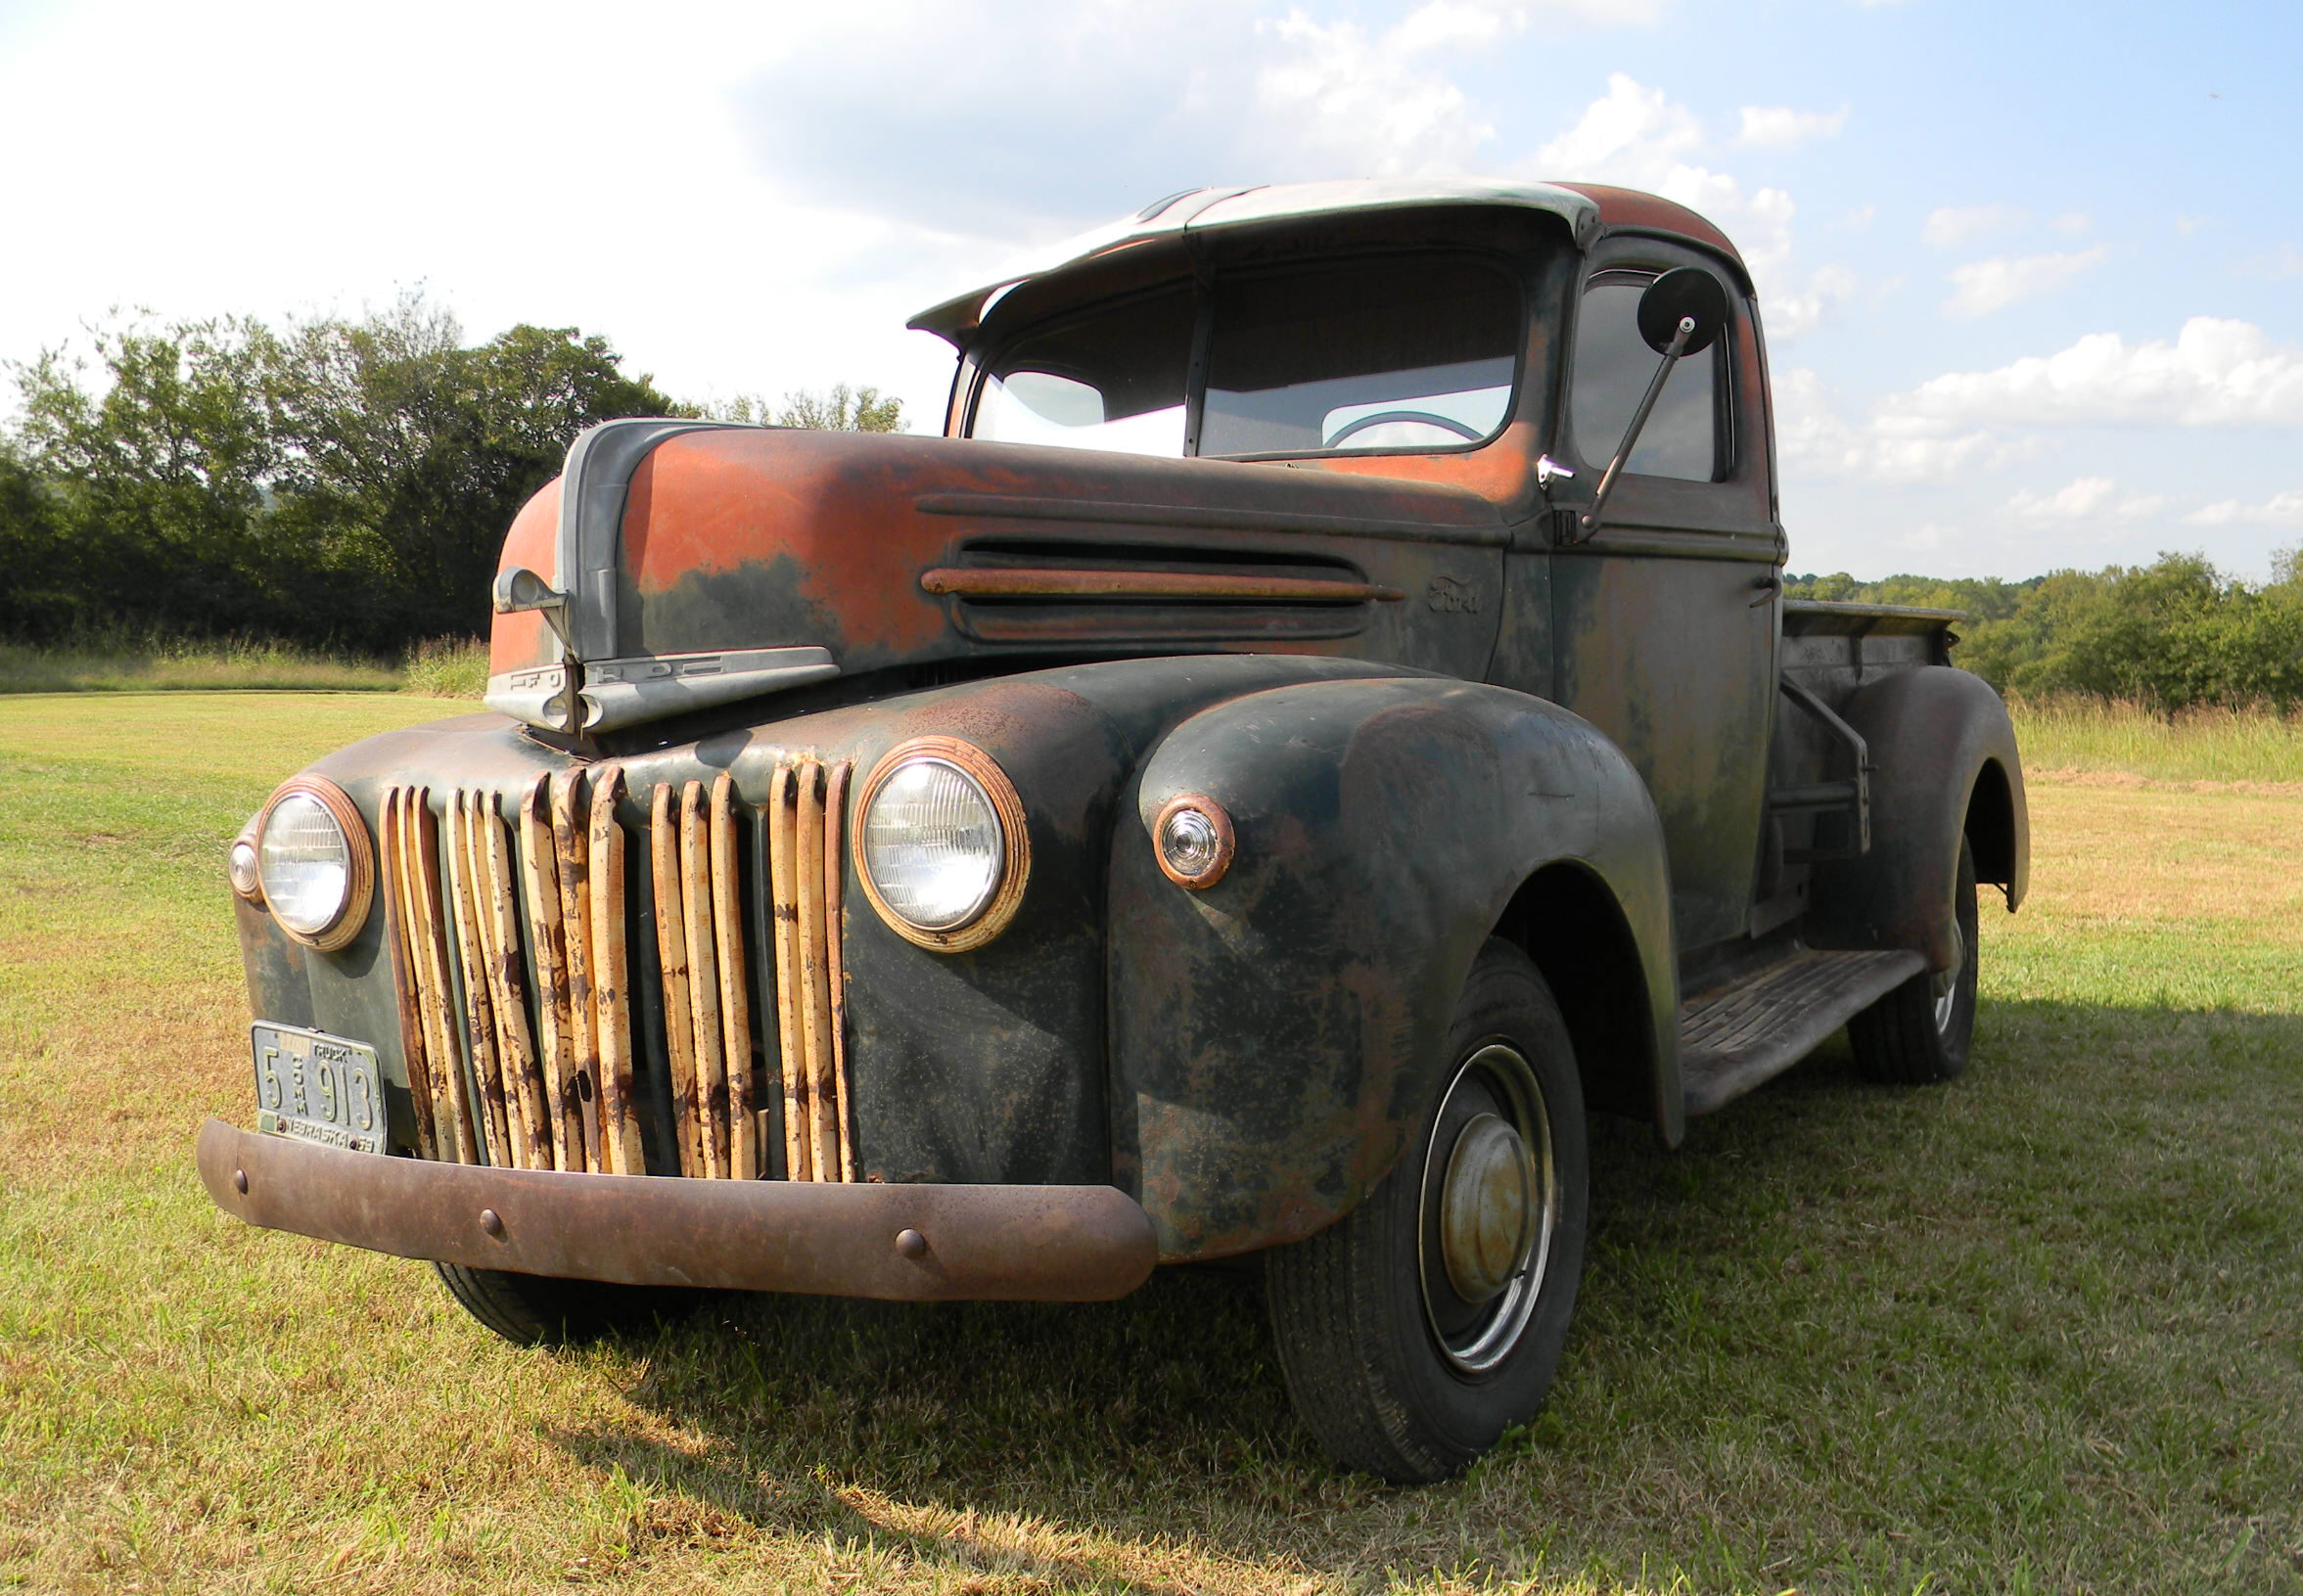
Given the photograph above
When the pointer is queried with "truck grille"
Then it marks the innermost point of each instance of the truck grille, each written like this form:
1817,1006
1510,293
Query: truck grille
516,923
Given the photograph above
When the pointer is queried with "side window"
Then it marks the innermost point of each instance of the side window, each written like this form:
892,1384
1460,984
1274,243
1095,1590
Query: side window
1612,366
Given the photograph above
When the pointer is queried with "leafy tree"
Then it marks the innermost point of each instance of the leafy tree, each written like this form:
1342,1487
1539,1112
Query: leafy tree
405,454
842,410
158,481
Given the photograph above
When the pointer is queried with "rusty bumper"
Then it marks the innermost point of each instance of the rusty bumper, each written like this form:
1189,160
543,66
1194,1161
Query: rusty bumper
1058,1243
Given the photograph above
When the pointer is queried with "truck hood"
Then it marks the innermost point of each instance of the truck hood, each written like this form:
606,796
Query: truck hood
676,565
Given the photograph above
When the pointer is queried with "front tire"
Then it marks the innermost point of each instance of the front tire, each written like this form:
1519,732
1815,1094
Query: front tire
539,1310
1420,1327
1923,1031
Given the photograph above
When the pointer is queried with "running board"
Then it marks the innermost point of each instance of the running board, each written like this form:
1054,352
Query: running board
1734,1037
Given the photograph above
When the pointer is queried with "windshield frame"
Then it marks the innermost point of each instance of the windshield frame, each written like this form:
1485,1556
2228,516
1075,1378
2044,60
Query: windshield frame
1516,272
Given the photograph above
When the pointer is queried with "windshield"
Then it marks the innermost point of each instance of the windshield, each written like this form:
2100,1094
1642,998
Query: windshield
1379,355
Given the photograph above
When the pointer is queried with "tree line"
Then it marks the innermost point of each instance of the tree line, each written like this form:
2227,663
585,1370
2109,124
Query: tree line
342,482
346,483
2176,634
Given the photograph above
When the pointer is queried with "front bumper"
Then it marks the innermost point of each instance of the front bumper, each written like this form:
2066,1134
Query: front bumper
1056,1244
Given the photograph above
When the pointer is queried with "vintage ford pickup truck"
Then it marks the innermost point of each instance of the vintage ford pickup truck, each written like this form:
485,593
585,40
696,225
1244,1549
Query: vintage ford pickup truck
1323,717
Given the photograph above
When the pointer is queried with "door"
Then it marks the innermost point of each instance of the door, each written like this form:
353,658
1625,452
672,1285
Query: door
1664,620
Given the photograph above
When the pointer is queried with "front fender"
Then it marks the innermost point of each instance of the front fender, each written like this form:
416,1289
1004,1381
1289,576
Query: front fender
1944,764
1275,1037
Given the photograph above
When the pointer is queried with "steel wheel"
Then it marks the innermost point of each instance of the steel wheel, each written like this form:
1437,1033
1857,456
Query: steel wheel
1429,1319
1490,1203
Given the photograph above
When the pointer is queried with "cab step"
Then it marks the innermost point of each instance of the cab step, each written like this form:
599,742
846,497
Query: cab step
1734,1036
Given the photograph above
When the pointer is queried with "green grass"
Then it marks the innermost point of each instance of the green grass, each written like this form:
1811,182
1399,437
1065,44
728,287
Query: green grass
2197,745
446,667
2039,1330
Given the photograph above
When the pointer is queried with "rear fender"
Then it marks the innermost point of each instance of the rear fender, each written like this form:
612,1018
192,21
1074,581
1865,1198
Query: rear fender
1275,1035
1943,766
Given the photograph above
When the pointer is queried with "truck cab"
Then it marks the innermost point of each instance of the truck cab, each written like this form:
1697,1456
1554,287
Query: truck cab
1323,719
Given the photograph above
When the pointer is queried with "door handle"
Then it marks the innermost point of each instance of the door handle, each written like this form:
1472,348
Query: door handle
1767,587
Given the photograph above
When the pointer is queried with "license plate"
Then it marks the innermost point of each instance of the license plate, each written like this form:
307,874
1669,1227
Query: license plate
318,1089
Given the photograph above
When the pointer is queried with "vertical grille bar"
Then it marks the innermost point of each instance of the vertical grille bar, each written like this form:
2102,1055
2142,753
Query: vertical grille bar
620,1126
415,1049
835,811
671,959
735,1001
452,1094
711,1046
507,978
784,912
815,986
539,881
479,1008
572,856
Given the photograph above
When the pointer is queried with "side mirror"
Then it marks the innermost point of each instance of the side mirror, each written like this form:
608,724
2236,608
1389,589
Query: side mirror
1683,311
1684,293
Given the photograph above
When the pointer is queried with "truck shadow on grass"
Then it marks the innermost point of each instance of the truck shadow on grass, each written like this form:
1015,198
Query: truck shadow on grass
1818,1274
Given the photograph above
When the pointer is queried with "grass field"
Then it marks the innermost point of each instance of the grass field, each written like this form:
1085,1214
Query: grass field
444,668
2040,1330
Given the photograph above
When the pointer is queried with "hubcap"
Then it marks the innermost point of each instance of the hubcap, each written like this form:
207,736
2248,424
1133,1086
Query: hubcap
1489,1203
1486,1208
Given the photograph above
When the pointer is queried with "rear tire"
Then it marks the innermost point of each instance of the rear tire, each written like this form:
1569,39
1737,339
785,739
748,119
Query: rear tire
1923,1031
537,1310
1427,1321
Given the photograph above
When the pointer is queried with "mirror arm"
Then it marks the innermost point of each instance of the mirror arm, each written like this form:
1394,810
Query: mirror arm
1589,521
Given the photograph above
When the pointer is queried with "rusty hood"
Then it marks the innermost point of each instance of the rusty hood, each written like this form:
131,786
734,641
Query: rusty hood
678,564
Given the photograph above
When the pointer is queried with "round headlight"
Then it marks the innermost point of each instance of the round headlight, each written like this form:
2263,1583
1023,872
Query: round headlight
941,844
314,863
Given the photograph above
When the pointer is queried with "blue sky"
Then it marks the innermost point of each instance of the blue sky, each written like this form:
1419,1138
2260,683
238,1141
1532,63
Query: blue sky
2032,274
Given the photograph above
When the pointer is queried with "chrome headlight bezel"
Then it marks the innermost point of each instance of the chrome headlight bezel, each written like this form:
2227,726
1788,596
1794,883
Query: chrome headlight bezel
335,930
991,915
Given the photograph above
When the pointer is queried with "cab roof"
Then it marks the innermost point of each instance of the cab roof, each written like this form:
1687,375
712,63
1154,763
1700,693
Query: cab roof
1589,210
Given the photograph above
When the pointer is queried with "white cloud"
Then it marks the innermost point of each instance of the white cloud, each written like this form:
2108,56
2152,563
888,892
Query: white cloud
1982,286
1812,434
2279,510
1948,225
1780,128
1466,24
2187,225
1641,138
2085,498
2072,222
1859,218
2214,373
1345,95
1804,308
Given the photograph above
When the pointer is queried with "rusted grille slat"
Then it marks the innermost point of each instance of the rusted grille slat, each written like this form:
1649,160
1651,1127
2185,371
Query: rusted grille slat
835,808
671,963
783,824
619,1139
571,858
735,1002
510,931
706,1041
539,884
